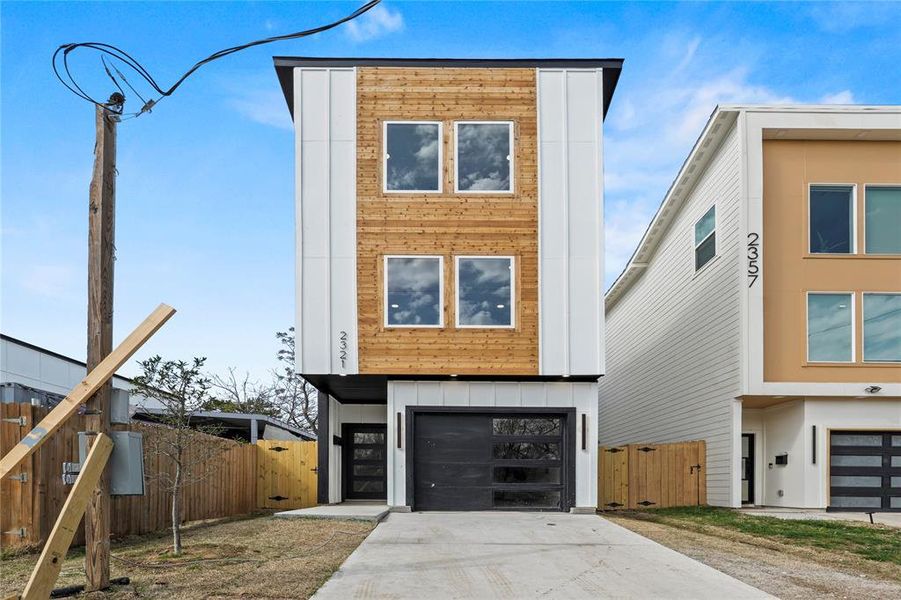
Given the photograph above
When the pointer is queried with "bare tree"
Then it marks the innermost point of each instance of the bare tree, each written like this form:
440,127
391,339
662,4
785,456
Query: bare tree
241,394
188,458
295,398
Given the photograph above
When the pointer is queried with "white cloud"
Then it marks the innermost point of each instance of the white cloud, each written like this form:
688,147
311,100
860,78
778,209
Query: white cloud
842,17
267,107
842,97
376,23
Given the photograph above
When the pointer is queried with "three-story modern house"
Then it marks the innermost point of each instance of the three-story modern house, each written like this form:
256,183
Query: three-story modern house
449,276
762,310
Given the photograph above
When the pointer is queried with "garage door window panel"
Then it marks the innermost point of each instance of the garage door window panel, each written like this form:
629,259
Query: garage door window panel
865,470
550,475
526,499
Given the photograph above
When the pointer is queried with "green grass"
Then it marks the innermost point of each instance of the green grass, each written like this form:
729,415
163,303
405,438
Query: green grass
879,543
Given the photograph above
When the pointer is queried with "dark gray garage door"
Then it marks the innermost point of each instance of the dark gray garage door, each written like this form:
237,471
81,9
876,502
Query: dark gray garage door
468,460
865,470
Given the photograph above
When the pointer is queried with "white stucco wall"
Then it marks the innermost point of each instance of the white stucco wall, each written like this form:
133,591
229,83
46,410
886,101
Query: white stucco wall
581,396
789,428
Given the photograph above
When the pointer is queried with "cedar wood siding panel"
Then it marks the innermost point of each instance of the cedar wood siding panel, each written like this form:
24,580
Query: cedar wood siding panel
446,224
673,338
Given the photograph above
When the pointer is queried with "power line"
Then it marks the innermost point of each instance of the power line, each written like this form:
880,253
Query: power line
60,63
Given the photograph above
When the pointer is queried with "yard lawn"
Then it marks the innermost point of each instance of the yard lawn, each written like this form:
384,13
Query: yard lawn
258,557
787,558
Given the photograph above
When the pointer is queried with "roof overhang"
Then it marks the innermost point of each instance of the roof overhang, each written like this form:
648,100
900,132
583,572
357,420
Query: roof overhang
284,67
705,148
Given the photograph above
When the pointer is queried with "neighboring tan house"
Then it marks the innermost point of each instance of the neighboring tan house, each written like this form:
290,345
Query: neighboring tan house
449,273
761,311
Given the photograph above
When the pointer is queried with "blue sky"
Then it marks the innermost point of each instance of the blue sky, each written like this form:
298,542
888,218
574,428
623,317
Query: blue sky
205,188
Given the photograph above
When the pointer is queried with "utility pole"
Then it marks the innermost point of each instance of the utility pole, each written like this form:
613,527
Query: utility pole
101,248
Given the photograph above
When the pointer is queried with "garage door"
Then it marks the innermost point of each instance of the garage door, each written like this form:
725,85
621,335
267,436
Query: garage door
865,470
465,460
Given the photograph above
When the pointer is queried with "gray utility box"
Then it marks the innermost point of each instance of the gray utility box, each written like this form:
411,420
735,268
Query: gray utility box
126,463
118,404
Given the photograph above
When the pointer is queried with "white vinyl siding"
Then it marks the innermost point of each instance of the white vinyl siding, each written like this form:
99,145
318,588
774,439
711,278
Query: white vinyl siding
673,339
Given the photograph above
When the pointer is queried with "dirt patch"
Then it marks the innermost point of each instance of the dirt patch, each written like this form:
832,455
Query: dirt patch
260,557
778,568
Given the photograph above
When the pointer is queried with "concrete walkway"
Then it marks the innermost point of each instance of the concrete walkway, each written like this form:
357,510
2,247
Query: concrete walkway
520,555
346,511
880,518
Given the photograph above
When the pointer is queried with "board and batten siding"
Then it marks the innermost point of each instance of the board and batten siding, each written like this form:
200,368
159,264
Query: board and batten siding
570,215
514,395
325,172
674,337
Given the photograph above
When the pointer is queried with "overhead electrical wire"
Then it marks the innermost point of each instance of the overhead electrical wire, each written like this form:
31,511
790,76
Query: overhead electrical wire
115,104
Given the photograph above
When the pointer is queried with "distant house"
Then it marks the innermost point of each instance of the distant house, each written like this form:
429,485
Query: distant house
32,374
449,276
761,311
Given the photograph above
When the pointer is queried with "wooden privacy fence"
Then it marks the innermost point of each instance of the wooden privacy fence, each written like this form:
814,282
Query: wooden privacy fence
33,495
652,475
286,474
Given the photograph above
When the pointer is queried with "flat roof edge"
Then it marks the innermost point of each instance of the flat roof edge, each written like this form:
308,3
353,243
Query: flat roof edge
302,61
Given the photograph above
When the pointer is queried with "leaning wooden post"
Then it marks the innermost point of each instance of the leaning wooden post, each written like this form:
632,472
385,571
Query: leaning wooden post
47,569
101,244
85,389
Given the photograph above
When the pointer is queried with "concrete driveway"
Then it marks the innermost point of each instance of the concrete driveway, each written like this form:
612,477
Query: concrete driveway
520,555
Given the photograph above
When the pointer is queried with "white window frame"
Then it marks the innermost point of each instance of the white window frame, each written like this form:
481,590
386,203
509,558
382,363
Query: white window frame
863,242
440,291
512,157
807,296
513,303
385,189
695,246
863,327
854,245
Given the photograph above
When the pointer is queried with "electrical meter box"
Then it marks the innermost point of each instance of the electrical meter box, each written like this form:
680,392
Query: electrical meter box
126,463
118,403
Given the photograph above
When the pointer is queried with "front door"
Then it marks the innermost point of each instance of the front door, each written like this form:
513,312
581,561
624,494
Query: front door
747,468
365,461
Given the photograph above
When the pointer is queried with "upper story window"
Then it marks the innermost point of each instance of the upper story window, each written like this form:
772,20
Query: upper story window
412,156
484,291
484,156
882,223
830,328
705,238
831,219
413,291
881,327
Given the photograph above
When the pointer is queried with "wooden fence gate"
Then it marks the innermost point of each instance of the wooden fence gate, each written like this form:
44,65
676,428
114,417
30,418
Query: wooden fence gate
652,475
286,474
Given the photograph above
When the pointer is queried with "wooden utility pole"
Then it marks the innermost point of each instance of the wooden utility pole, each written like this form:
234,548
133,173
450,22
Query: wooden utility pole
101,248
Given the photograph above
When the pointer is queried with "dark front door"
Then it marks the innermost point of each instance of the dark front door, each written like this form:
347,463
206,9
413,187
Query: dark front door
747,468
503,460
365,462
865,470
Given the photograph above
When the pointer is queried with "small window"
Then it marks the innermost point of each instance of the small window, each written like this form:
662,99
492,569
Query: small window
413,291
882,327
831,219
484,291
412,157
830,332
705,238
484,156
883,220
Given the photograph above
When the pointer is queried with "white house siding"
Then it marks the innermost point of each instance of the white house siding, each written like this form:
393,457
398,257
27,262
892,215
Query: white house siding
570,221
673,338
581,396
325,154
788,428
30,367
